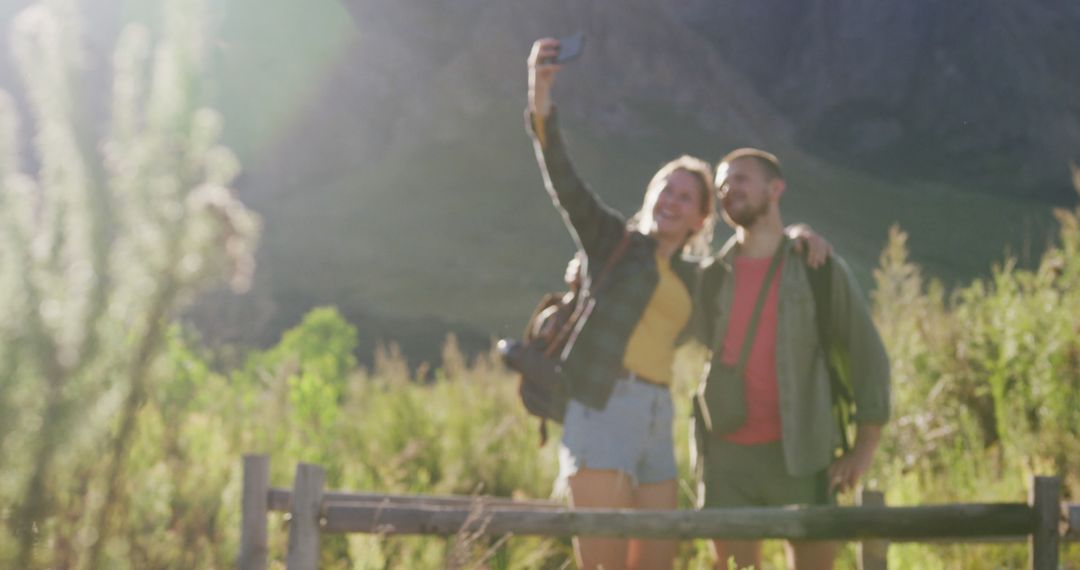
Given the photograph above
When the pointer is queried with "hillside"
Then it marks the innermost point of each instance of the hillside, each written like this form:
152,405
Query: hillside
980,94
432,184
383,144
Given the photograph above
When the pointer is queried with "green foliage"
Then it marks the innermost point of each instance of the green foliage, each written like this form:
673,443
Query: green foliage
986,384
461,434
98,248
465,432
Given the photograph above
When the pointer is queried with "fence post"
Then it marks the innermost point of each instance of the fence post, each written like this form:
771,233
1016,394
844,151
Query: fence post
304,523
1045,541
254,509
873,554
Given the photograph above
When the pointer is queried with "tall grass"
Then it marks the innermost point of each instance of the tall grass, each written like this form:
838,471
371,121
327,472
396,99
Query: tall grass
987,385
98,248
461,430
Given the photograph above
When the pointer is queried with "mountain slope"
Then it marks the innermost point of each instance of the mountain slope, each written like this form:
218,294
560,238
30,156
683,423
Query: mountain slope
983,94
407,189
383,140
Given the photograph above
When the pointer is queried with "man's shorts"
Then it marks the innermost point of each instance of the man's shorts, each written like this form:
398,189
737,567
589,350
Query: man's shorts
756,476
631,434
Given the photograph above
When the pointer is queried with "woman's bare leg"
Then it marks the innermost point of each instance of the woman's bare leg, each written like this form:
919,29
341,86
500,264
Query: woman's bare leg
601,488
653,554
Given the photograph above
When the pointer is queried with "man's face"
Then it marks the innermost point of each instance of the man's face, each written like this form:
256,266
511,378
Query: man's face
744,192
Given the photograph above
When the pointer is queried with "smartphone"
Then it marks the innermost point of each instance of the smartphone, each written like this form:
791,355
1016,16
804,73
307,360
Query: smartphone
570,48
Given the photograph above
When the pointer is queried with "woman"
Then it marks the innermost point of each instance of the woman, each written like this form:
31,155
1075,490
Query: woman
617,450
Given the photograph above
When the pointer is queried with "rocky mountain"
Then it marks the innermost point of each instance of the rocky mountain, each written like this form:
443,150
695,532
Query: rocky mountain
383,140
979,93
419,127
418,131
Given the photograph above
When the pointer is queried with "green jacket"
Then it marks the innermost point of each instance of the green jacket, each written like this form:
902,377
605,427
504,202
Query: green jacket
809,431
593,357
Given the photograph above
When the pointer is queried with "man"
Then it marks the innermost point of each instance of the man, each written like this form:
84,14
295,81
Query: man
783,453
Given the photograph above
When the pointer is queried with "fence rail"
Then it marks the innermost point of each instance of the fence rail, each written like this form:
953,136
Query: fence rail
1044,522
280,500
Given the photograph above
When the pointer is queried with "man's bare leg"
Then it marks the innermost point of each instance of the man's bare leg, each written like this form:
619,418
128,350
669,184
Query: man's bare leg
746,553
811,554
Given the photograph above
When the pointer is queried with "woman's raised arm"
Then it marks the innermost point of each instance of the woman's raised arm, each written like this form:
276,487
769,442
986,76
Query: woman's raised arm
596,227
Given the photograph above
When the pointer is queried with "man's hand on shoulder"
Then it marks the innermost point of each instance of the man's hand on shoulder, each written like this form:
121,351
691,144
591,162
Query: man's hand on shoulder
806,239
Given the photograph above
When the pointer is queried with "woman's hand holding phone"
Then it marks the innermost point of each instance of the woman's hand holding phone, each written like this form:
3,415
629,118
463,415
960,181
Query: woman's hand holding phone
542,72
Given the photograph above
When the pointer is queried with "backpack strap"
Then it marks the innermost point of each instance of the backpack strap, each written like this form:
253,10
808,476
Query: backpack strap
709,291
821,285
751,331
571,323
612,259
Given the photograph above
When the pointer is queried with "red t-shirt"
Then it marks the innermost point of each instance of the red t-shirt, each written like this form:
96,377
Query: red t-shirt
762,394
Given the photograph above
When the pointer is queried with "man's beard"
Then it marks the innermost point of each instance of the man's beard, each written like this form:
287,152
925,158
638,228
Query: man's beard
748,216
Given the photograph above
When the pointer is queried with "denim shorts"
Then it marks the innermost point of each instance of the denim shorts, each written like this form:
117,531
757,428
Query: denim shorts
631,434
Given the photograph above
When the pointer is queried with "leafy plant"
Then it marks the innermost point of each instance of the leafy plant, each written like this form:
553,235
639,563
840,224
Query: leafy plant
99,248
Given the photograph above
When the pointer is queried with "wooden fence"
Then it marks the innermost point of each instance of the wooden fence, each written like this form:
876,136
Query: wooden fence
1043,521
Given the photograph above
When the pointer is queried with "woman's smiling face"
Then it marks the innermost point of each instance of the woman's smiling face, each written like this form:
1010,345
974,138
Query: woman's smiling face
677,207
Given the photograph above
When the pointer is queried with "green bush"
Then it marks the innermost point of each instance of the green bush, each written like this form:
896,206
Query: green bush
98,249
987,386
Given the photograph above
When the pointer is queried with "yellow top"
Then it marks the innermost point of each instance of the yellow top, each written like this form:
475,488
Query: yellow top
651,350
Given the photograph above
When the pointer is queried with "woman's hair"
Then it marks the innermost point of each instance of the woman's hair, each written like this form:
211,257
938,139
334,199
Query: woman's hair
697,243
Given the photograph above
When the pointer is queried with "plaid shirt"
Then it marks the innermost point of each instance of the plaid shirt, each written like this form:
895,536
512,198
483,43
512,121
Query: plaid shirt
593,359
